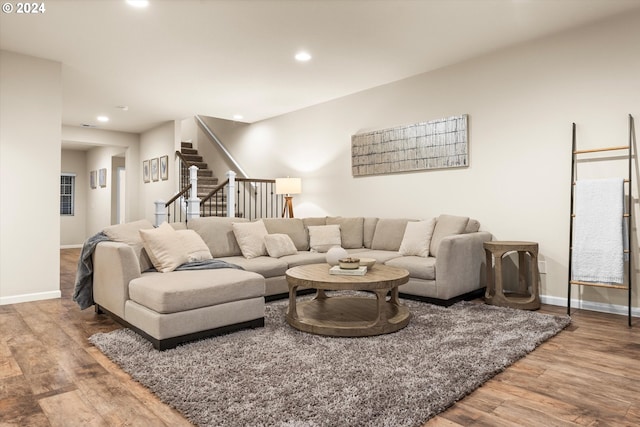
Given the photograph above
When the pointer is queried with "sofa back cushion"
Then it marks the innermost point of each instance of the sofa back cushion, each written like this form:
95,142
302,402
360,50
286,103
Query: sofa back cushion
446,225
129,233
473,226
388,234
351,231
217,233
293,227
197,249
368,229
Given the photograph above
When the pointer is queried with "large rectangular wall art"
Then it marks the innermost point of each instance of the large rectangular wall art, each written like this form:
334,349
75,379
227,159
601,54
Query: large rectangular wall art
436,144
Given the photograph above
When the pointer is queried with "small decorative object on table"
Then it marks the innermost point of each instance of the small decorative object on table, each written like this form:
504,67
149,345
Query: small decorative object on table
335,254
367,262
349,263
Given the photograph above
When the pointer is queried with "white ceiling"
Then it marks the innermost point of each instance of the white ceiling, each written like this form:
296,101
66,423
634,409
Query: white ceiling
178,58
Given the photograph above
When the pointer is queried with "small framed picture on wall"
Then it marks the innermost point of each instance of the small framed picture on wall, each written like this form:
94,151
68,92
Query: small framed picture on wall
146,174
164,167
102,177
93,179
154,169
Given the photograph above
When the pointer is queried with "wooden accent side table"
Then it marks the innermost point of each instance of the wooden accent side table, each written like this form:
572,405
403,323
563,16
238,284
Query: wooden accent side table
527,275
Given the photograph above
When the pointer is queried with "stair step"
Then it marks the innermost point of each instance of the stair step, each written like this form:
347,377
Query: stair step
204,172
186,144
188,151
192,157
206,189
200,165
207,181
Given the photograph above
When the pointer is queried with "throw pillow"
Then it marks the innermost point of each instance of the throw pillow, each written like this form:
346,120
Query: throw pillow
446,225
293,227
417,238
279,245
250,237
196,248
128,233
165,247
324,237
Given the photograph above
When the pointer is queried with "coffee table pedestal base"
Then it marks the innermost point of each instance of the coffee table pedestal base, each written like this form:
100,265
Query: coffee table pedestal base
348,316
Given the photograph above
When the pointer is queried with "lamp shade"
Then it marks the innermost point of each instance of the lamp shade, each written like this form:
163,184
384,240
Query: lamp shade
288,186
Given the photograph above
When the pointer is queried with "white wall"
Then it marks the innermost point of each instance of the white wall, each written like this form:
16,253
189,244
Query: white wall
226,131
30,108
521,103
160,141
106,144
73,228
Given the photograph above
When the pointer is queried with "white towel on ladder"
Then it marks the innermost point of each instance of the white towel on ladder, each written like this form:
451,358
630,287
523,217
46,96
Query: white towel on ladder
598,248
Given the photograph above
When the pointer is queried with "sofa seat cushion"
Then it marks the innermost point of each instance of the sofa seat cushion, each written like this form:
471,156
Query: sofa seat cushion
418,267
187,290
379,256
304,258
263,265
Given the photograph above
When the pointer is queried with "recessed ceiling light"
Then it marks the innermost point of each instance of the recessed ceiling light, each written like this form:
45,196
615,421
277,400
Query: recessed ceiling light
303,56
138,3
103,119
237,117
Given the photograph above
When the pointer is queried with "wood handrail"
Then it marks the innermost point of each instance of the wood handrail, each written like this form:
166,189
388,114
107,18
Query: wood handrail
214,191
185,161
181,193
255,180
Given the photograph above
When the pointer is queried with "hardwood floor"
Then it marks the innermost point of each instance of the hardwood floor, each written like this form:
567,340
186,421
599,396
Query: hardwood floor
50,375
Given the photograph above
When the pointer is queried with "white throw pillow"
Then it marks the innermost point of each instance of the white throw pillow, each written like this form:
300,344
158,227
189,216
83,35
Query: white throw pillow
279,245
324,237
417,238
165,247
196,248
250,238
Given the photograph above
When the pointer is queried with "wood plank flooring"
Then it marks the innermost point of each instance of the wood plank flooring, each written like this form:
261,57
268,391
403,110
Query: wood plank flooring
50,375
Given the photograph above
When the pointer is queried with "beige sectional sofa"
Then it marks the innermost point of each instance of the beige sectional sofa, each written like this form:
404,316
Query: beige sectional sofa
168,308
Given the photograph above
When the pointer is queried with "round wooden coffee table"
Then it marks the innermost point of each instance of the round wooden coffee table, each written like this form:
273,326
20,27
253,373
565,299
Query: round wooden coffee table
347,315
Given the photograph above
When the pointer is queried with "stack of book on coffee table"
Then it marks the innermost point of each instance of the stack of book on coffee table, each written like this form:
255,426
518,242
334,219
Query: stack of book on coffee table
360,271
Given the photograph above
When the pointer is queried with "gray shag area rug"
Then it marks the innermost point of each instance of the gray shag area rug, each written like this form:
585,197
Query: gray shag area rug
278,376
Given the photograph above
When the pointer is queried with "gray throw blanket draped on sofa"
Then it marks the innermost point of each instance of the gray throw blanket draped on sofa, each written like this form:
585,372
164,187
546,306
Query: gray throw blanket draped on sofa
83,291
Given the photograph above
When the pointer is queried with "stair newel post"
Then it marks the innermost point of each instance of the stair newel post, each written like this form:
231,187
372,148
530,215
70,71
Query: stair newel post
193,204
231,194
161,212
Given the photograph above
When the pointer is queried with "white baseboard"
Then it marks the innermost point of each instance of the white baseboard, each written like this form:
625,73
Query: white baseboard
79,245
590,305
16,299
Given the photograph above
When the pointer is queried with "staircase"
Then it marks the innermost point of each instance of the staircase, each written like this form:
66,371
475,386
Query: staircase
206,180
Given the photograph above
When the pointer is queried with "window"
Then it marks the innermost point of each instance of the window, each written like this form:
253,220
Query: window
67,193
